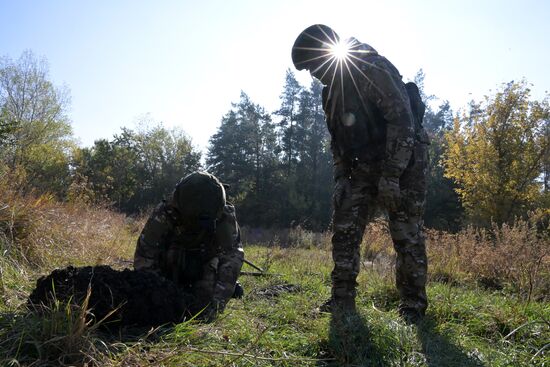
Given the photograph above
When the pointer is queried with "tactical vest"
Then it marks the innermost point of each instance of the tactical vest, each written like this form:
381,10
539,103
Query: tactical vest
354,124
187,249
357,126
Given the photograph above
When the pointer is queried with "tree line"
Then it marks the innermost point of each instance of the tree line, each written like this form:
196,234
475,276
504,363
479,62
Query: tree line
278,166
489,162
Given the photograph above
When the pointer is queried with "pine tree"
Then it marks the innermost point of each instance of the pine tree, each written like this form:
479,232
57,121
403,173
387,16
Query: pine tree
287,112
314,167
243,154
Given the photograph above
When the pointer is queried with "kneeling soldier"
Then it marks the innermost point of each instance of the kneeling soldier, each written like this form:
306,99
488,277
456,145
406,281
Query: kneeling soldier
194,240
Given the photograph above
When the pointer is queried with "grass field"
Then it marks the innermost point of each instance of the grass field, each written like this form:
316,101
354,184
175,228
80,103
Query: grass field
465,326
473,319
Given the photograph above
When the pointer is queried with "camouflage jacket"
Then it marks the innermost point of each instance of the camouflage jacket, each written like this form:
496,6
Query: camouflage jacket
207,266
369,115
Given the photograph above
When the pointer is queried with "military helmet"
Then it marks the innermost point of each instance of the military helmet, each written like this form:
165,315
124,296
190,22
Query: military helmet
312,47
199,196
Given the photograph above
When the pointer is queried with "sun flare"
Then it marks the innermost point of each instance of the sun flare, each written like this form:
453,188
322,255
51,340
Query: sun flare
340,50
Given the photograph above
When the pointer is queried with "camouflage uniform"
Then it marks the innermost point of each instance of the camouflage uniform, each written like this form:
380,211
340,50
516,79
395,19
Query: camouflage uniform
205,263
375,137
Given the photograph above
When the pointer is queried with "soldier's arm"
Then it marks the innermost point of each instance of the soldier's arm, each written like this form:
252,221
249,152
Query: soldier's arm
220,273
386,90
151,240
228,237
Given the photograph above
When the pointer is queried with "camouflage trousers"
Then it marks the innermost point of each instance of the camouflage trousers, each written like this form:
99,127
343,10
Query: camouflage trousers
350,218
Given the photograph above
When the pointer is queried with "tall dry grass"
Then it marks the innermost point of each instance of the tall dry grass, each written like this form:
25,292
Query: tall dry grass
39,233
516,256
513,256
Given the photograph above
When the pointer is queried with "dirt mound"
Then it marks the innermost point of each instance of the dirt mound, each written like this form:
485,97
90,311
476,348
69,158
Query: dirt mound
142,298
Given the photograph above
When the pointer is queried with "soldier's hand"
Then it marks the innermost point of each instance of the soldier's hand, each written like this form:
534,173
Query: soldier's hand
389,193
342,188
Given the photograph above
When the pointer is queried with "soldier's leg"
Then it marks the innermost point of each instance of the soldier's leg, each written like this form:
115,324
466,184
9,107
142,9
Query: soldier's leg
406,227
349,220
411,264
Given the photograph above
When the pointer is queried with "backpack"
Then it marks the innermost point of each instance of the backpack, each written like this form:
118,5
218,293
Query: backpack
418,109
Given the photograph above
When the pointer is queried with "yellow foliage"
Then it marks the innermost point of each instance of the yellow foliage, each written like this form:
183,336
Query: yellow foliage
495,155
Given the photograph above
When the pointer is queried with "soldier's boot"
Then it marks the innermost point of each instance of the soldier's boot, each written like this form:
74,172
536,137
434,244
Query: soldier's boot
344,305
343,294
411,315
413,298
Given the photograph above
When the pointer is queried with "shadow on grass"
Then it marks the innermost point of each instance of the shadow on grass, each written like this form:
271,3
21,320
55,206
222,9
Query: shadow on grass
350,343
440,351
353,342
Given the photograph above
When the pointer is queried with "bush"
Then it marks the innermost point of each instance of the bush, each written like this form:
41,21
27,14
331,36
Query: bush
513,255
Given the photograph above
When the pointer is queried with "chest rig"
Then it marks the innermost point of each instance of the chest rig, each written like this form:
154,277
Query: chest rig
355,124
191,243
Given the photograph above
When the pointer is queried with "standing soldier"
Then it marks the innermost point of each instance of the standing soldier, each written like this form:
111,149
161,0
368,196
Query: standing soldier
380,157
193,239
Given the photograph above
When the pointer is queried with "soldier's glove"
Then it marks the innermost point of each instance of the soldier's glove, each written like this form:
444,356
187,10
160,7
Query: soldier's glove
342,189
389,193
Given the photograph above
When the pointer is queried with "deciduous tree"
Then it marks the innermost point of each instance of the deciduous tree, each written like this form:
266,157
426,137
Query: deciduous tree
496,154
35,132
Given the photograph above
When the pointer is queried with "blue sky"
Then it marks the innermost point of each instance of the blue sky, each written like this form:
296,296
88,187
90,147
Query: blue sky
184,62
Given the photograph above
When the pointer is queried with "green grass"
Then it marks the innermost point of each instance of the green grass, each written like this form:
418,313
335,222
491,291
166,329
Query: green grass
464,326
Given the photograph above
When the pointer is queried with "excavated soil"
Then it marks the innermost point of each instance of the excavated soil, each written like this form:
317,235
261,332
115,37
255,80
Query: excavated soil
140,298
